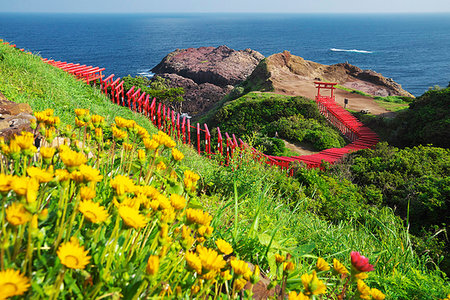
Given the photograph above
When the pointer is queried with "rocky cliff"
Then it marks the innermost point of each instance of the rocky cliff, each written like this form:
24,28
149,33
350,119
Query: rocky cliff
284,72
206,73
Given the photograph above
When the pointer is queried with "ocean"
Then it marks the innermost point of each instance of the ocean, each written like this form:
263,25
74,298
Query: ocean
413,49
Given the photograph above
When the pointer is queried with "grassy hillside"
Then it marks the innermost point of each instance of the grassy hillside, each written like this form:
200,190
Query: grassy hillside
426,121
258,210
25,79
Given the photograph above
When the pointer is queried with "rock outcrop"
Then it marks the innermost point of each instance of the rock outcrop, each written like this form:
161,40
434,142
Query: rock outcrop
281,69
14,117
206,73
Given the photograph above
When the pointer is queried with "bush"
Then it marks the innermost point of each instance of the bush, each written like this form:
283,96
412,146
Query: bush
293,118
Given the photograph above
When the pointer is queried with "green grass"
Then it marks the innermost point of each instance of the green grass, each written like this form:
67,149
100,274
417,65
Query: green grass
254,201
26,79
390,103
390,106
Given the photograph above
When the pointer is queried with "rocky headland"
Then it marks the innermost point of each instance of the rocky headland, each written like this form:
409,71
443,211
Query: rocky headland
284,73
207,74
281,69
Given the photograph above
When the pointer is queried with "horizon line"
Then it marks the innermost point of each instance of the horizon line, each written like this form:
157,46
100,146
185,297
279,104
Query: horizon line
230,12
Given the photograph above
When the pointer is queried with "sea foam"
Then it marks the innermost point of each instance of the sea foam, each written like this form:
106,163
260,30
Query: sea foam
350,50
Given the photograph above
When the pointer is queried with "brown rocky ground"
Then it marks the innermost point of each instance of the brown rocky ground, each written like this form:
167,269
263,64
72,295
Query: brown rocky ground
14,117
344,74
292,75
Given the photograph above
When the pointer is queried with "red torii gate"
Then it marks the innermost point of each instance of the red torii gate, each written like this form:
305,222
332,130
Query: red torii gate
325,86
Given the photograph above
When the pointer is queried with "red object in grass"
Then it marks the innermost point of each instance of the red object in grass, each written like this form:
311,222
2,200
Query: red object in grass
360,262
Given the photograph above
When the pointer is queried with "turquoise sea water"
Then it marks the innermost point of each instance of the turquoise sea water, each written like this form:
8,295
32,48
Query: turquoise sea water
414,50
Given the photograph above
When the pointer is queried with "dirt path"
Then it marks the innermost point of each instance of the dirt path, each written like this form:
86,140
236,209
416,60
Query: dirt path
287,83
301,149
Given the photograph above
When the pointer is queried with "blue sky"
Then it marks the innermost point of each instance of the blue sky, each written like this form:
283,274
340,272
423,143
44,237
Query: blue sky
265,6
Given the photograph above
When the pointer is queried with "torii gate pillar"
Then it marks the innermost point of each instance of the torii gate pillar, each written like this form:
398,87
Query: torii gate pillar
325,86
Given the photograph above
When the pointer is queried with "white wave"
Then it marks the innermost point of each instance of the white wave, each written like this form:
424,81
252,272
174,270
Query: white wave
350,50
146,74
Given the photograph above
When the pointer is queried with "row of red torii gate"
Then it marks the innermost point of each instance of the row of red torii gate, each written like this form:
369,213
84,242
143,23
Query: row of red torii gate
198,135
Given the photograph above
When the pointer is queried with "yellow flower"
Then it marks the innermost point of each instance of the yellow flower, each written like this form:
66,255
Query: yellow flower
377,294
25,141
279,258
39,174
25,186
195,289
339,268
16,214
122,184
361,275
194,262
146,190
178,202
97,120
121,122
210,275
72,158
322,265
127,147
62,175
53,121
141,155
48,112
240,267
312,284
161,166
90,174
164,139
226,275
153,204
224,247
77,176
87,193
12,283
131,217
119,134
210,259
152,265
40,116
168,215
150,144
72,255
79,123
255,276
177,155
198,216
363,289
50,134
164,203
81,112
239,284
5,182
98,133
294,296
47,152
288,266
189,174
190,180
93,211
12,149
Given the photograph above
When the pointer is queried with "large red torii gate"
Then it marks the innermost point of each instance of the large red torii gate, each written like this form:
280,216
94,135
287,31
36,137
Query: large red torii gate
326,86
